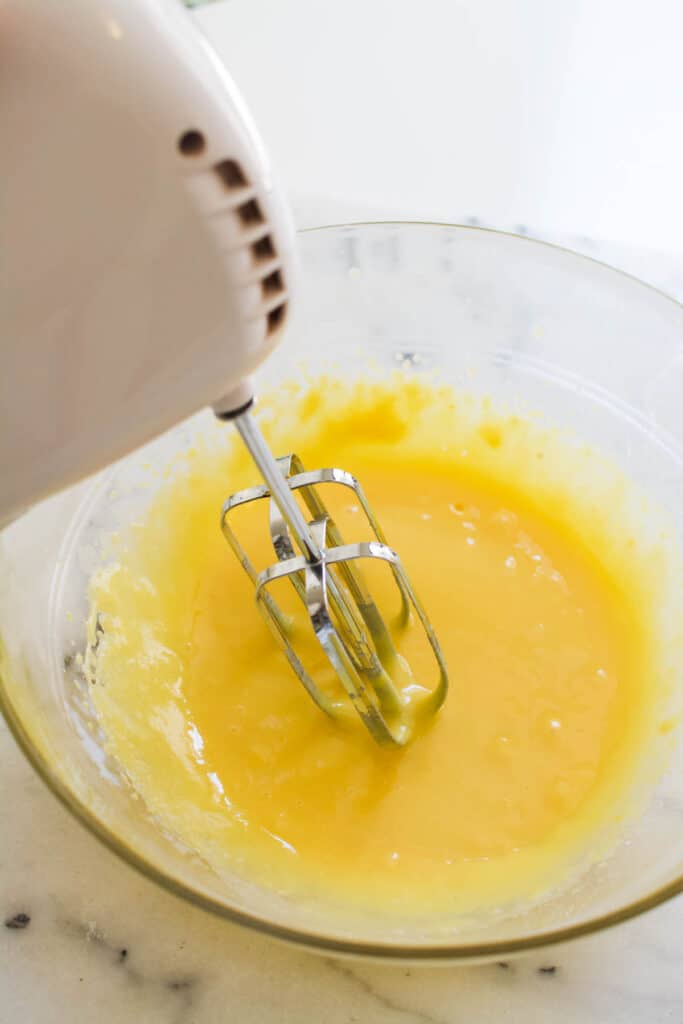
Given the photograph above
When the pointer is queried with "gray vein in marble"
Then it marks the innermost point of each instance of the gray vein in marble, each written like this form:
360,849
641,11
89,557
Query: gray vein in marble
89,932
414,1016
184,987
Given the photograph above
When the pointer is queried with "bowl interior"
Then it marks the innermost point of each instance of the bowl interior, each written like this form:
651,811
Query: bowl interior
528,324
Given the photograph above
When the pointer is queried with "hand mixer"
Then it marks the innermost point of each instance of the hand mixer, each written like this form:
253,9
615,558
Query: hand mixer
149,270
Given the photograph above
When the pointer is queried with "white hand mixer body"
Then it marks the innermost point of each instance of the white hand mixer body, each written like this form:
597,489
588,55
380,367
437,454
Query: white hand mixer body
148,257
149,268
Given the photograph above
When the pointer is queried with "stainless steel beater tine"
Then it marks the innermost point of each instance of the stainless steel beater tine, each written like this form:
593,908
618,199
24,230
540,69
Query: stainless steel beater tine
366,660
279,532
385,729
284,549
307,480
373,549
301,532
280,621
274,618
233,502
367,702
345,619
361,696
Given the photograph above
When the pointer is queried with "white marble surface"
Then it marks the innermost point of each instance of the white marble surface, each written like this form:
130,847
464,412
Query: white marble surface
103,944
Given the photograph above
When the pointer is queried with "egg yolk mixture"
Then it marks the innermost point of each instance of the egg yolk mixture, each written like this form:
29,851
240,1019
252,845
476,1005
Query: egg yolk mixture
537,593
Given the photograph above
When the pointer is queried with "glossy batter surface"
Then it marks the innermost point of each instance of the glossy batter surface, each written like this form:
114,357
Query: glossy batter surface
537,602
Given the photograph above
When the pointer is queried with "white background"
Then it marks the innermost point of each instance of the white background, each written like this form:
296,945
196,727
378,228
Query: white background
565,116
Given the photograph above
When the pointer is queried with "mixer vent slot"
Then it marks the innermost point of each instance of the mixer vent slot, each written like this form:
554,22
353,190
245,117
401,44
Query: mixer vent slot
272,284
230,174
263,250
191,143
276,318
250,213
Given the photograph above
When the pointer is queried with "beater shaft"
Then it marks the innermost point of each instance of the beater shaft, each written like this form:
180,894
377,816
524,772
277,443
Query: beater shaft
267,466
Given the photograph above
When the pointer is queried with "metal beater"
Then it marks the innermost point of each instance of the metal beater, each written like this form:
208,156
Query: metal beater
328,580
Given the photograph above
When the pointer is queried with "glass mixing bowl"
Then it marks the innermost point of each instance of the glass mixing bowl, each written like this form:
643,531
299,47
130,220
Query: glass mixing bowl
595,350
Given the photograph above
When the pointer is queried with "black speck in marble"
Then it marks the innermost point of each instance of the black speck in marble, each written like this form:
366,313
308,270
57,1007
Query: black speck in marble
180,984
184,989
503,964
123,955
68,660
547,969
18,921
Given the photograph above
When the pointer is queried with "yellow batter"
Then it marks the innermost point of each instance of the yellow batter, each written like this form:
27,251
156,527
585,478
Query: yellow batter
541,600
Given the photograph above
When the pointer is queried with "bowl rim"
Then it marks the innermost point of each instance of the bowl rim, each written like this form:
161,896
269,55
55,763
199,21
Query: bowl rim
447,951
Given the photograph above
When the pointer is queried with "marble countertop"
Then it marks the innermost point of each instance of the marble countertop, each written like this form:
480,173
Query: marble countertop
85,938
